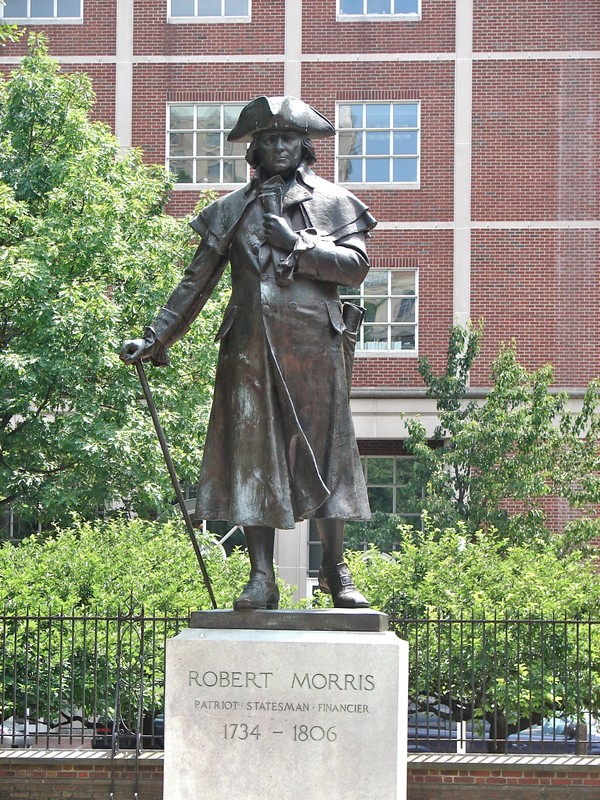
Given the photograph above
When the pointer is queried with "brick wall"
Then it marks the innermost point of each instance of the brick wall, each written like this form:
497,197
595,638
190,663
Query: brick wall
154,36
536,143
95,36
434,33
25,775
541,287
535,25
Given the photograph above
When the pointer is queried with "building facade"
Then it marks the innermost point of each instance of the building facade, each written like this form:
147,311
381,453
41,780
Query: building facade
470,127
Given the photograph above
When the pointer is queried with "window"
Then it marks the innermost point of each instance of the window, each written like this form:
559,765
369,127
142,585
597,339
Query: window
391,491
379,8
41,9
213,9
378,143
197,148
389,487
389,297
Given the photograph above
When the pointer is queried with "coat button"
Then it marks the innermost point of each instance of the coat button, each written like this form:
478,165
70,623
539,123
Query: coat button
293,305
266,310
264,276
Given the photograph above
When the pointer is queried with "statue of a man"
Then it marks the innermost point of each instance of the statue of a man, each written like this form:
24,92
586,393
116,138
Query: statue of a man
280,446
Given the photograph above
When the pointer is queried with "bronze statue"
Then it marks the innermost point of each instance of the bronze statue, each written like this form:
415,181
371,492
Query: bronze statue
280,446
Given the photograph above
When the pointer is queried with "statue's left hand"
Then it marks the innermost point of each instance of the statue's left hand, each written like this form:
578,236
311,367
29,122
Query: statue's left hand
278,232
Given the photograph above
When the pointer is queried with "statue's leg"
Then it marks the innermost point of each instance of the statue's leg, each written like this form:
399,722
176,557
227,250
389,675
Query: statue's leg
334,576
261,590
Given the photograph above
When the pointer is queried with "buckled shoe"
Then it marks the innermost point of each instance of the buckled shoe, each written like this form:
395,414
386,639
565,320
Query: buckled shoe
258,593
337,581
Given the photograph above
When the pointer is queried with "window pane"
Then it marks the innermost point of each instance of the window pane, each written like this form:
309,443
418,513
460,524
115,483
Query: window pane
376,310
405,115
406,6
351,6
209,144
351,115
378,7
69,8
209,116
403,337
208,170
351,170
236,8
378,170
15,8
234,171
378,143
351,291
230,116
381,499
42,8
405,143
403,309
376,282
182,8
181,144
378,115
405,170
183,170
407,501
380,470
209,8
375,337
403,281
181,117
234,149
404,468
350,144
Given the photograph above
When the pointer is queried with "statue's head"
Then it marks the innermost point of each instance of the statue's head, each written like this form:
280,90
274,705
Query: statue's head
286,122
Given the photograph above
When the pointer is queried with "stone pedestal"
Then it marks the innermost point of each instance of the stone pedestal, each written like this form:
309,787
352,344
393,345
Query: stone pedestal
285,705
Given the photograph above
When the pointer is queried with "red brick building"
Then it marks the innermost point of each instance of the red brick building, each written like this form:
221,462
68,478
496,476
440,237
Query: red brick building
471,128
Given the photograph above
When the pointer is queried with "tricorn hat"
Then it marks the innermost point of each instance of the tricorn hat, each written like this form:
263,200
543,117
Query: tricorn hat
274,113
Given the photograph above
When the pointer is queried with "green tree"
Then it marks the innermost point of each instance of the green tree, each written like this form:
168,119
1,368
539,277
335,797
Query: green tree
495,461
87,255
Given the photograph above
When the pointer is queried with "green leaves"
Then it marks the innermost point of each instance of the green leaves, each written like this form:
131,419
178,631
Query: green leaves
87,256
499,458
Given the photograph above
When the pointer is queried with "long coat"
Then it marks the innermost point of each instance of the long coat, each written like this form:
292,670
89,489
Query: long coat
280,445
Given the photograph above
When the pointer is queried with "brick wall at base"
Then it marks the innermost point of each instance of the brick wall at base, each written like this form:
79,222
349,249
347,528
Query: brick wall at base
56,775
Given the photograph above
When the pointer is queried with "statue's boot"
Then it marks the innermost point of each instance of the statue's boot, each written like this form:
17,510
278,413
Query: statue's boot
337,581
261,590
334,576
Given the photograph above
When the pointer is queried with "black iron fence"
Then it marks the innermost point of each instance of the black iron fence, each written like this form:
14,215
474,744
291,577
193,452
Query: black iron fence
486,685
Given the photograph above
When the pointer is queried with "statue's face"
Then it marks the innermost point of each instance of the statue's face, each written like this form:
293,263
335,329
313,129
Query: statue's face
279,152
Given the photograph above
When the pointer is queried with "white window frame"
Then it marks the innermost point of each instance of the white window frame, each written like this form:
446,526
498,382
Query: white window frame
408,515
220,18
364,157
360,298
365,16
54,20
168,159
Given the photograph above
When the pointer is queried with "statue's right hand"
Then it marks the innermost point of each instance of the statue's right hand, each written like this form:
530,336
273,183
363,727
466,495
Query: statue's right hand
135,349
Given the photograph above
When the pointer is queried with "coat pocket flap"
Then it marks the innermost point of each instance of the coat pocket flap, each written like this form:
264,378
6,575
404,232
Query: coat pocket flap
227,323
335,315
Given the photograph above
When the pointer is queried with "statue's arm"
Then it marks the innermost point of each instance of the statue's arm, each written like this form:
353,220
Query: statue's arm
181,309
343,261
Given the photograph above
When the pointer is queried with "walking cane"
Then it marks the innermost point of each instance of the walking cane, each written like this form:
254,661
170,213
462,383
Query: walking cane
174,480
